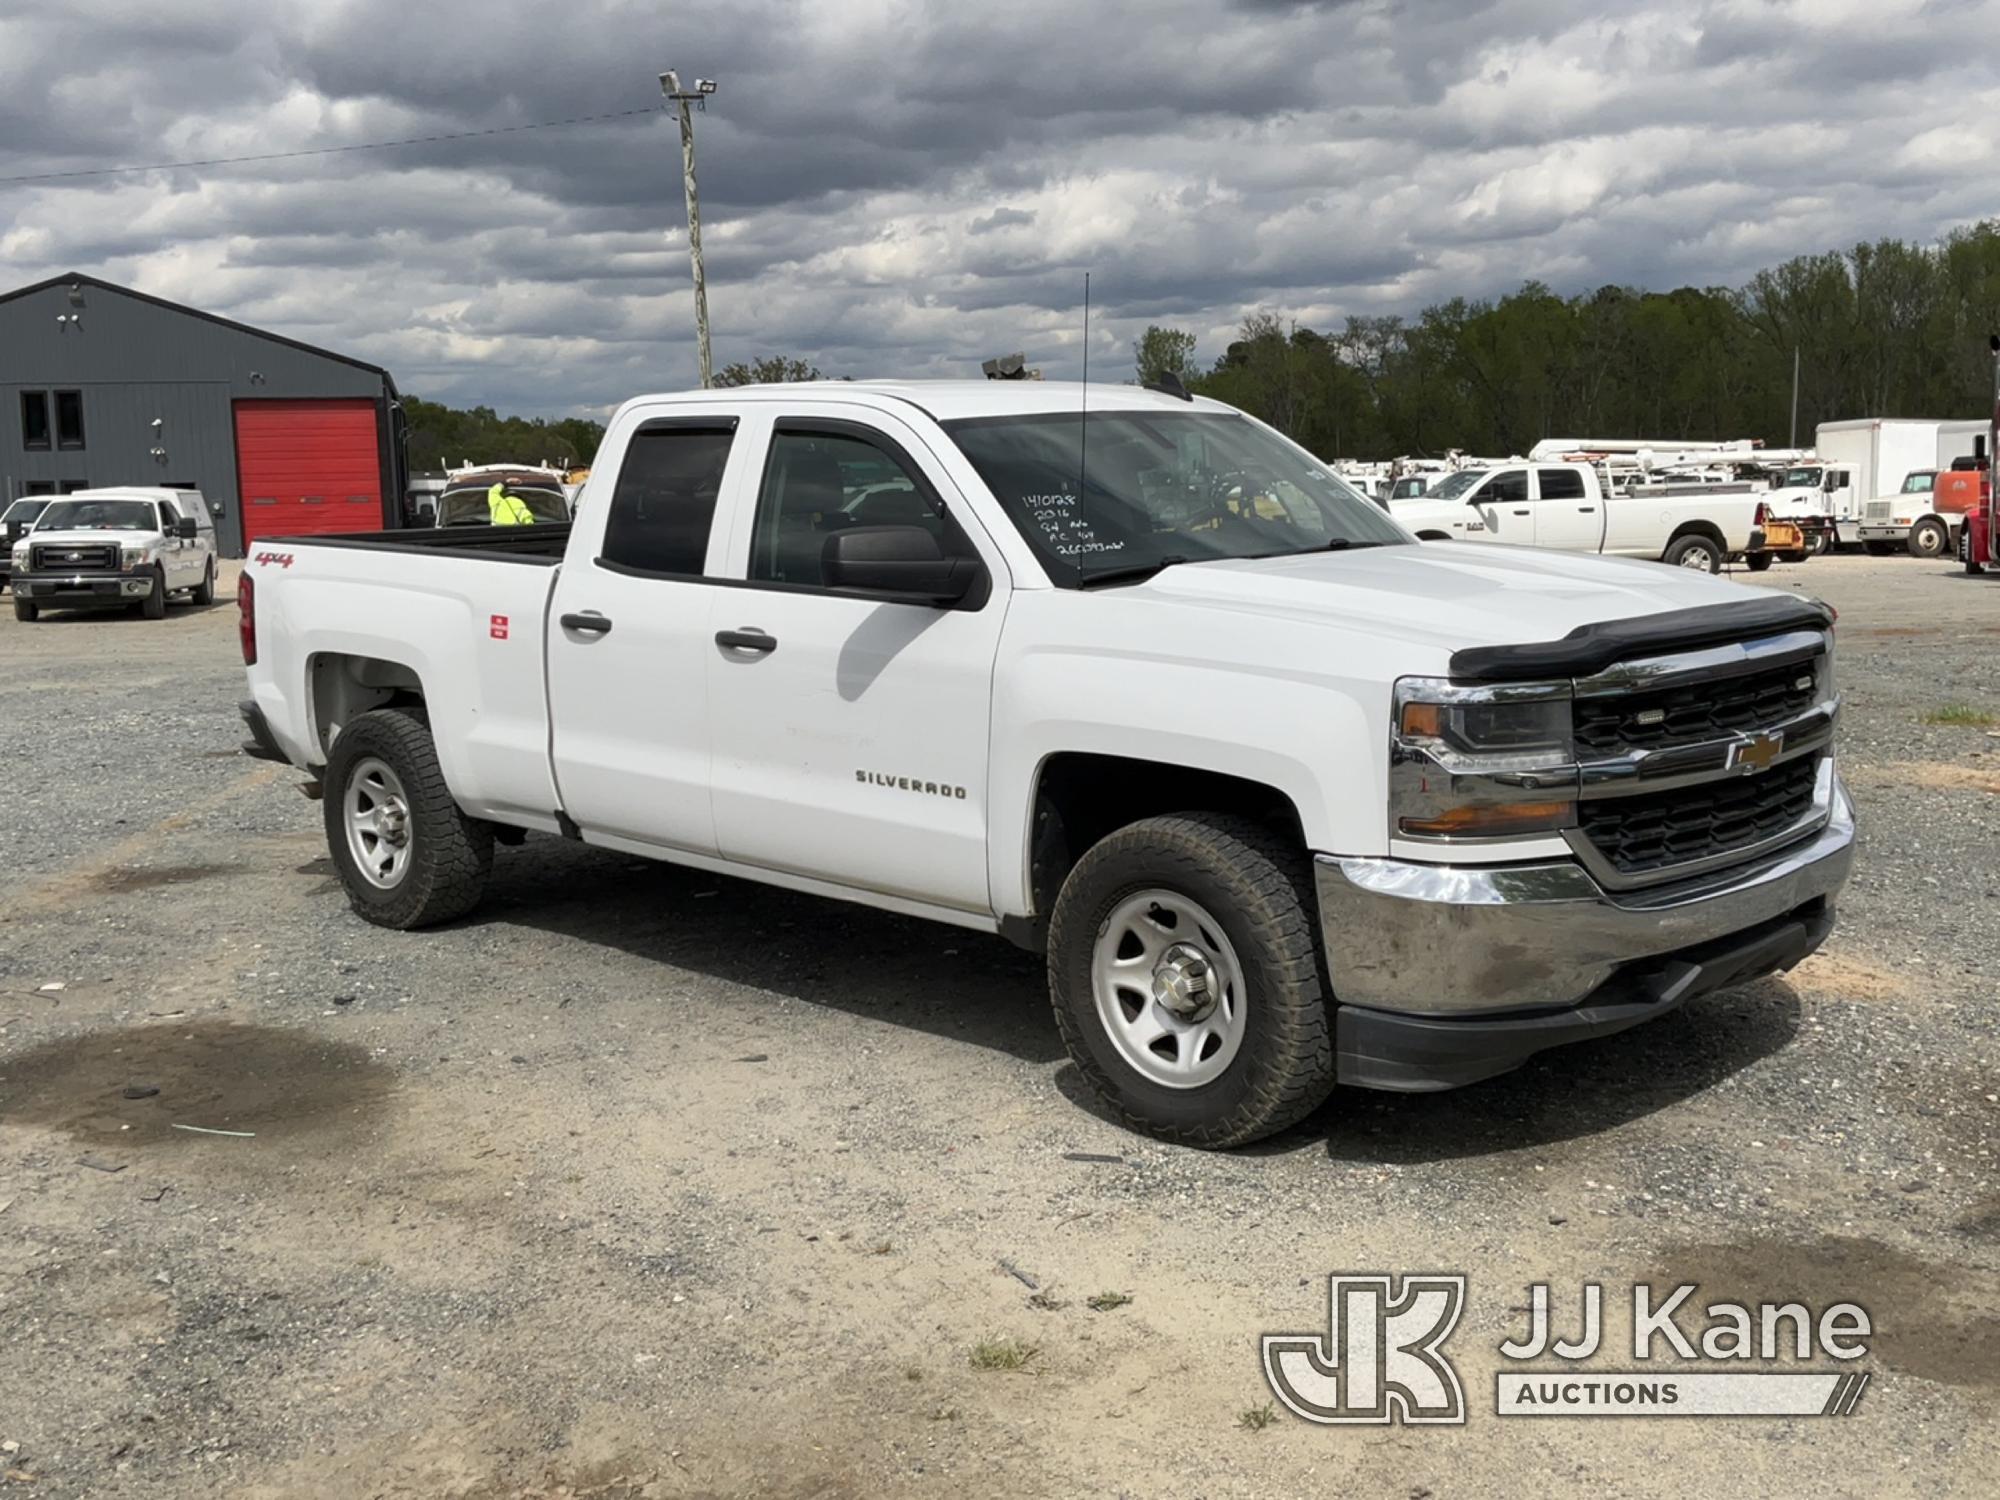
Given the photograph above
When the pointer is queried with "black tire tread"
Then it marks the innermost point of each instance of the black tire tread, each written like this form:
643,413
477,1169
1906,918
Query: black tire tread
154,605
1299,1072
204,592
26,609
454,853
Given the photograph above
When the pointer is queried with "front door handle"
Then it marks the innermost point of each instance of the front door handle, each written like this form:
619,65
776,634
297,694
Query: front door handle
1586,510
748,639
1523,513
590,622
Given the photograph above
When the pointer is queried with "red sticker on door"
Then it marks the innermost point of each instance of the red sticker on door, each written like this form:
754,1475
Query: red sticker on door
498,627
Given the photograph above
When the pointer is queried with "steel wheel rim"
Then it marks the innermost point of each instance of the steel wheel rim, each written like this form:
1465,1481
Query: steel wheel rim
1169,989
376,814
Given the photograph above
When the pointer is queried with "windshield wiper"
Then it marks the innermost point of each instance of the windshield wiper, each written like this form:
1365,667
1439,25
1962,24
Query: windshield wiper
1129,573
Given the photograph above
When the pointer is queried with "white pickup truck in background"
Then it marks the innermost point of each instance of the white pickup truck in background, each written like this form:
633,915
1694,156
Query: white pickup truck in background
1286,799
1563,506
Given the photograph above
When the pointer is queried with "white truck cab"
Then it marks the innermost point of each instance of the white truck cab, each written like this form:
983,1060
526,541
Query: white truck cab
129,546
1287,799
1563,506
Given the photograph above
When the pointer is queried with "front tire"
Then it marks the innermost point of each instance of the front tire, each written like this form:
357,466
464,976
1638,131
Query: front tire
25,609
1694,551
1185,974
1929,538
155,605
407,853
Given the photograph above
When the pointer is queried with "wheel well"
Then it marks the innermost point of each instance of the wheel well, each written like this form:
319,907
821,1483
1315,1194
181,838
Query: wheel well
345,686
1080,798
1706,529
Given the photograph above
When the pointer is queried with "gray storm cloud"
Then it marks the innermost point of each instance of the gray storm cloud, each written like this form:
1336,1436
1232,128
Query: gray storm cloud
895,188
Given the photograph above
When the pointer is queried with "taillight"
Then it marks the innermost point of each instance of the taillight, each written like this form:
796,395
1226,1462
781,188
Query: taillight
1763,514
246,618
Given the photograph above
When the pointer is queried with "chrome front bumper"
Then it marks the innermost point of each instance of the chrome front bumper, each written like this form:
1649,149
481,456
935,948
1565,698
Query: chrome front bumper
1456,942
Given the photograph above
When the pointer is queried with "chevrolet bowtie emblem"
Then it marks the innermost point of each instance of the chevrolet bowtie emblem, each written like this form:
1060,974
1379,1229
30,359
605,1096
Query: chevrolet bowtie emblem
1758,753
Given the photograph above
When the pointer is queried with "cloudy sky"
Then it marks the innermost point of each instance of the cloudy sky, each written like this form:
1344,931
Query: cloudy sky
902,187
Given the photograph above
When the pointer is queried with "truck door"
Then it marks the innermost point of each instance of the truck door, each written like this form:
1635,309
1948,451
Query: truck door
629,637
851,734
1567,514
1504,506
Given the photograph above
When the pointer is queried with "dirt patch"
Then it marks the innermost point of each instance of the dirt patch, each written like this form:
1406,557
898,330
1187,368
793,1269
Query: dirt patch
1930,1320
210,1073
1880,632
1842,978
1933,775
151,877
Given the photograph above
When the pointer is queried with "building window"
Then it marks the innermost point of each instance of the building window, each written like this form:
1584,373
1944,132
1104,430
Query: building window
71,486
39,487
69,419
34,419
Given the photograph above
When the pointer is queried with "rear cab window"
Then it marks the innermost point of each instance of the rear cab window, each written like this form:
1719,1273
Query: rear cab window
663,505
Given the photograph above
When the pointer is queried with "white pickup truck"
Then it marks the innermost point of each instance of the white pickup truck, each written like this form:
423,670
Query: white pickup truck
1563,506
1287,800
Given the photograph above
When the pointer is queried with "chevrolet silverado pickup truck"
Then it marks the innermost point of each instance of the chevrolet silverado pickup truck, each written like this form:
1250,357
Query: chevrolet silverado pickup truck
1287,800
1563,506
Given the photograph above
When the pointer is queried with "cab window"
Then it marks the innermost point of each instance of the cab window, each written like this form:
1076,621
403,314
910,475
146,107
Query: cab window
818,482
664,503
1561,484
1510,485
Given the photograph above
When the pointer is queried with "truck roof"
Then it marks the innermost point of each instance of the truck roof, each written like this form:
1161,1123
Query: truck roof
130,492
949,400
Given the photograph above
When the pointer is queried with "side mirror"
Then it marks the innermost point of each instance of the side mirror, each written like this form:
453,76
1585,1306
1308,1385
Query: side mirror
186,529
897,562
15,531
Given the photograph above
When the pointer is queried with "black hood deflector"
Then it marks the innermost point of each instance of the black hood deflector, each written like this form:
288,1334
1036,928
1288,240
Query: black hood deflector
1592,648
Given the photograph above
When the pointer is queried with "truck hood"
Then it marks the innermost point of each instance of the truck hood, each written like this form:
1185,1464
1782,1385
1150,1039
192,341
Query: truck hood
90,538
1450,595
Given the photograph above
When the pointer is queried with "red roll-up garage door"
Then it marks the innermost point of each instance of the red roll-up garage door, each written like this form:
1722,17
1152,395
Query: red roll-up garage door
305,467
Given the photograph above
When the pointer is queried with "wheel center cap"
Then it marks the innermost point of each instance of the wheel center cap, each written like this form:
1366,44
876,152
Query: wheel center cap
394,823
1184,983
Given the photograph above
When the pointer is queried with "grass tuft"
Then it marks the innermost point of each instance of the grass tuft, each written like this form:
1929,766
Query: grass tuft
1002,1354
1963,716
1257,1418
1106,1301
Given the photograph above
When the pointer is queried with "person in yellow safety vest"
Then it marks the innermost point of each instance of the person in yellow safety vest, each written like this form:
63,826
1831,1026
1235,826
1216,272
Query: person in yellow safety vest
507,510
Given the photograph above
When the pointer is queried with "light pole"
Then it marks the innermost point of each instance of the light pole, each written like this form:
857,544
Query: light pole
670,85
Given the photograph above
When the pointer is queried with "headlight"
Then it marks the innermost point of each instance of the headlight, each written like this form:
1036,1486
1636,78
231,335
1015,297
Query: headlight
21,558
132,557
1481,762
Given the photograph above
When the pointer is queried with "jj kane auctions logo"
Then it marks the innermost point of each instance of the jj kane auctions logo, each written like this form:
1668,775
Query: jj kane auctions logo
1382,1357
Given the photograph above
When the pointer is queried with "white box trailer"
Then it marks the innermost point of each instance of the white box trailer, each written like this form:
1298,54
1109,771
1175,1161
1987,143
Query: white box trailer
1867,460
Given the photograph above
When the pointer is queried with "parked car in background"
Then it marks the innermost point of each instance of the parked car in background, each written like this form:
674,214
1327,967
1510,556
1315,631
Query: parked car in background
529,496
1563,506
1286,799
122,546
15,521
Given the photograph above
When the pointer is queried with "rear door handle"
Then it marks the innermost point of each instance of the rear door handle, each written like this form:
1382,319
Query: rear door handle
1586,510
590,622
747,639
1523,513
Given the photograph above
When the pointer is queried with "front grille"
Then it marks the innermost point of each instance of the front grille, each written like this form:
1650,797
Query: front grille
1712,709
72,557
1877,510
1656,831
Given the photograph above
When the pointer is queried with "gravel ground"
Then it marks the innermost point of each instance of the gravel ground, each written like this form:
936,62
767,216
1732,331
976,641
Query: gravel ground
645,1183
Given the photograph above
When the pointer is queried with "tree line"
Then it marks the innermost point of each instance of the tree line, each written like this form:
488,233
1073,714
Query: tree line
1887,329
443,437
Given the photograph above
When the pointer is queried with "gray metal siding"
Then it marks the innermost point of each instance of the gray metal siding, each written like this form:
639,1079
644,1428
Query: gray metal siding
134,361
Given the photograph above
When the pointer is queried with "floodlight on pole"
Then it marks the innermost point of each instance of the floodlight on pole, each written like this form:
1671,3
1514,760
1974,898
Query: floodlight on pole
670,85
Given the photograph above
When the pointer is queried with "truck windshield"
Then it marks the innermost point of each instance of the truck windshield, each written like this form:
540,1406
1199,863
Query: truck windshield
1146,489
1798,479
23,512
1454,485
469,506
99,515
1922,482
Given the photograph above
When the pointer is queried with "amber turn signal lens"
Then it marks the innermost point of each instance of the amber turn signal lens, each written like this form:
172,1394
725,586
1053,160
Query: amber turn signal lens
1424,720
1492,821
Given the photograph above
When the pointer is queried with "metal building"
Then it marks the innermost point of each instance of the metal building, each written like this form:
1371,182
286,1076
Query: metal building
102,385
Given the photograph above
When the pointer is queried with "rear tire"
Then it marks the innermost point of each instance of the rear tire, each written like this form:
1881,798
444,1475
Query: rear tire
25,609
445,855
1929,538
1201,887
1820,542
155,605
1694,551
1757,562
204,592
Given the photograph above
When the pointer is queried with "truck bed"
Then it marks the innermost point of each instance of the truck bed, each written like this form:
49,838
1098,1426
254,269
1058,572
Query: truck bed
519,544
